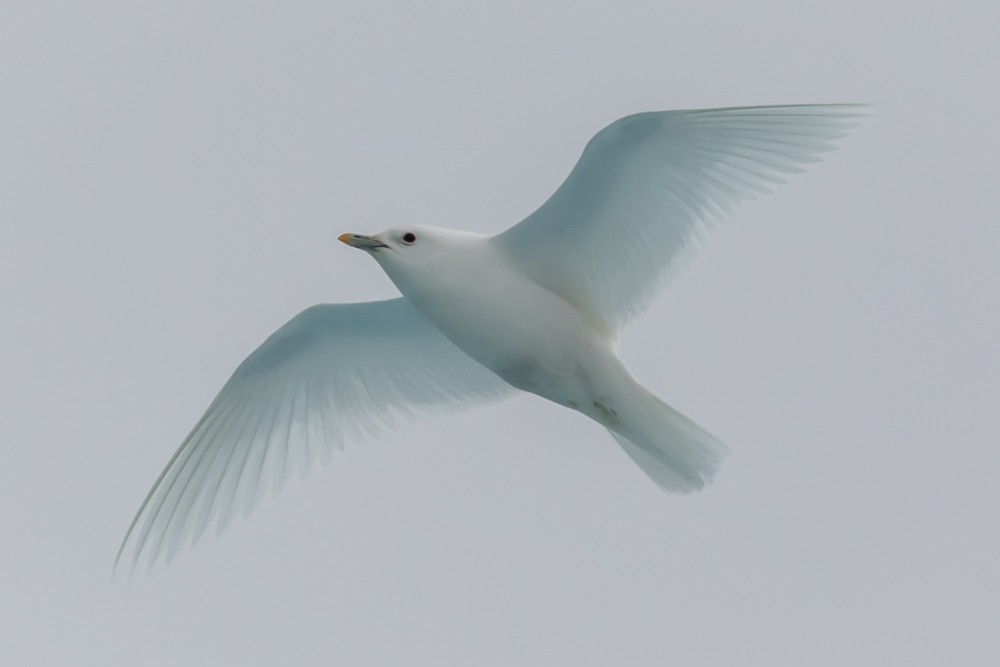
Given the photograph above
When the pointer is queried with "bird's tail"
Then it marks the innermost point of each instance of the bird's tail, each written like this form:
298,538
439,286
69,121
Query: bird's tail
676,453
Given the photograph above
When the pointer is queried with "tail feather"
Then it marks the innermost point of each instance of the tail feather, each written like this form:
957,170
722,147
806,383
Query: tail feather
676,453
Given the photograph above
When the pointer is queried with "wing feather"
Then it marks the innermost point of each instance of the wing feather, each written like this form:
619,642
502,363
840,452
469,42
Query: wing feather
334,374
649,187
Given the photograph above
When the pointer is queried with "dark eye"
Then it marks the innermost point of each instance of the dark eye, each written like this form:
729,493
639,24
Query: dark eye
409,238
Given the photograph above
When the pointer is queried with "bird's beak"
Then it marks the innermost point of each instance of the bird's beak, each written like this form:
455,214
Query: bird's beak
360,241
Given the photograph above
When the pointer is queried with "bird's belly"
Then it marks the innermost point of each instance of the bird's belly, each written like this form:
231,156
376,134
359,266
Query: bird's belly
537,342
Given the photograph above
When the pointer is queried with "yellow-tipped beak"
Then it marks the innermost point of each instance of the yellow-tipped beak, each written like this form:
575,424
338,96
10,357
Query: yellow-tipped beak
361,241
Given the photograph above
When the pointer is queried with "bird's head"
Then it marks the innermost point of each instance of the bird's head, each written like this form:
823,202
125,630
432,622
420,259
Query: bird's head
411,254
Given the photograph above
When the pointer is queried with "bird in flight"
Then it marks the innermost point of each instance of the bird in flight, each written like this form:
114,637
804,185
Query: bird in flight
536,308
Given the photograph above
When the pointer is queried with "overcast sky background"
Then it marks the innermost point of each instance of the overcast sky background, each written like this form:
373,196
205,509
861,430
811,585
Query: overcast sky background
172,182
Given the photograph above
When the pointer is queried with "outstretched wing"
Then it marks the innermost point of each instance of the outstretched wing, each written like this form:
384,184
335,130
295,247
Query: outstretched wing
331,375
649,186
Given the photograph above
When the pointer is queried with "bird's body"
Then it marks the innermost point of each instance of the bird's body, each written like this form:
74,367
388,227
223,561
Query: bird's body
536,340
537,308
531,337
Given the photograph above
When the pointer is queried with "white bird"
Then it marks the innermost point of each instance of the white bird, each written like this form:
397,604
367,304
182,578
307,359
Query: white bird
536,308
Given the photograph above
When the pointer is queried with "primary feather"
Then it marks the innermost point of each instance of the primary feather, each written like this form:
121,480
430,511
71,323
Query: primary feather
330,376
649,186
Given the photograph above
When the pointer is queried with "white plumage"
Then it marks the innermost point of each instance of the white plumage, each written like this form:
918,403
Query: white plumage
537,307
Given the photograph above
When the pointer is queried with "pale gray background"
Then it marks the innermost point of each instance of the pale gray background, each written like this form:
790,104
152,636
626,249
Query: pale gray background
174,178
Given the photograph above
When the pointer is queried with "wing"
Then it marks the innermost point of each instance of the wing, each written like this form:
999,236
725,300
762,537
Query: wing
330,376
648,187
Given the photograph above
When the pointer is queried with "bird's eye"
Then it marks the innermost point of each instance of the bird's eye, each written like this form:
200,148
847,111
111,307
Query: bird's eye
409,238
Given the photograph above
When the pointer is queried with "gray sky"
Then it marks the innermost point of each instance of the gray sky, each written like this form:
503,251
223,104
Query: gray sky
172,182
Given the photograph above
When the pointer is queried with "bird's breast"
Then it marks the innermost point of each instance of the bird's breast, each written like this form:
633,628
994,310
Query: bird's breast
524,333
